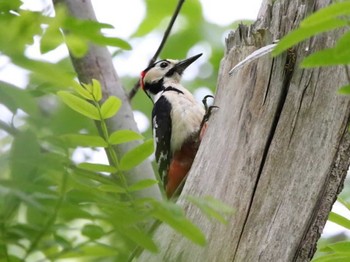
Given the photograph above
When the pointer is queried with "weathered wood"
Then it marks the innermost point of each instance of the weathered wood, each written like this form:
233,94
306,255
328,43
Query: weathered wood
277,150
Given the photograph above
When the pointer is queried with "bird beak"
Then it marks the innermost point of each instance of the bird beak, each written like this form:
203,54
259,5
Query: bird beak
183,64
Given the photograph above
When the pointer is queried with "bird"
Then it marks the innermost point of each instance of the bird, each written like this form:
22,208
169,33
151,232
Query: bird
178,120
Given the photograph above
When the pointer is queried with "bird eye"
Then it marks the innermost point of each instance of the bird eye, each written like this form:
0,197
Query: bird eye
163,64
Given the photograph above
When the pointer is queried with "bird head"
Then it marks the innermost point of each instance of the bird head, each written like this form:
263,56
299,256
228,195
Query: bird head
153,77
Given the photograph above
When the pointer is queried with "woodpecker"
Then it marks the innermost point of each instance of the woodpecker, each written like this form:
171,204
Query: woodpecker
177,120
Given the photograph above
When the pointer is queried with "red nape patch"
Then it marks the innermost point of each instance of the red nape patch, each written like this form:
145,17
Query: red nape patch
143,73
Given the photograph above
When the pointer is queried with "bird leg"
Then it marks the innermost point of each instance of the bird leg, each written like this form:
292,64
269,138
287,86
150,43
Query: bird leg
208,111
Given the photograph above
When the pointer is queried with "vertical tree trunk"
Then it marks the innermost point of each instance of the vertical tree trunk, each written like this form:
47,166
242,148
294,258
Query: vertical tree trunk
97,64
277,150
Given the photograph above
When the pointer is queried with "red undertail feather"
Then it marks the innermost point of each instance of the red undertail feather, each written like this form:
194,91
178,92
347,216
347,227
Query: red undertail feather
180,165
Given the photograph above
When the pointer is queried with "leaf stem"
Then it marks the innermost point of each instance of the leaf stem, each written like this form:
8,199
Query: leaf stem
112,156
51,219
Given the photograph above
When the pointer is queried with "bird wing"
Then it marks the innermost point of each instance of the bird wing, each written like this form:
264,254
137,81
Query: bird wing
161,121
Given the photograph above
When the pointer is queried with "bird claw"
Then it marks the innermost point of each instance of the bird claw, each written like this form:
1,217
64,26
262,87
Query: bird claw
208,111
204,101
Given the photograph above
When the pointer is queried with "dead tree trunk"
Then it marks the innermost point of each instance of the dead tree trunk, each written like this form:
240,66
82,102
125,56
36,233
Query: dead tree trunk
277,150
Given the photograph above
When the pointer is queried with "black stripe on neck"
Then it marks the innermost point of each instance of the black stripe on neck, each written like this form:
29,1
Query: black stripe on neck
170,88
155,87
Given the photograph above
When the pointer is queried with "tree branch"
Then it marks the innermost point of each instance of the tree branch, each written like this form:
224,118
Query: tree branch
136,87
7,128
97,64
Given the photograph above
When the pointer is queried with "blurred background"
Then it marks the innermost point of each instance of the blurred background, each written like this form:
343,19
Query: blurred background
201,28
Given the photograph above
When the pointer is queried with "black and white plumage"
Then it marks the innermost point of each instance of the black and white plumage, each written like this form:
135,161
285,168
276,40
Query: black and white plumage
176,119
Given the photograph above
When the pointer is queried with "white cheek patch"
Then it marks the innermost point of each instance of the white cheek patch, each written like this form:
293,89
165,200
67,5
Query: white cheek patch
153,74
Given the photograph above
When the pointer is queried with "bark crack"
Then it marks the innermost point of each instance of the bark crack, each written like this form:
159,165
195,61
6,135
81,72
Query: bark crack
269,82
295,120
288,73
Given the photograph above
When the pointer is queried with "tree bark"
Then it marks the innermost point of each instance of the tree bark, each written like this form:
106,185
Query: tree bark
277,150
97,64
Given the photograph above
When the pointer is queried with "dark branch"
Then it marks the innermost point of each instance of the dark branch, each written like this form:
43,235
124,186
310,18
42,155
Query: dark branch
7,128
162,43
347,71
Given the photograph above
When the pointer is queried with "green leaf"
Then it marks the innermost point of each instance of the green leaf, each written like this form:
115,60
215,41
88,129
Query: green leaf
303,33
25,156
74,140
92,231
339,247
46,71
82,90
212,208
110,107
111,188
96,90
13,98
344,202
123,136
52,36
340,54
173,215
97,167
62,241
6,5
340,220
334,10
334,257
344,90
140,238
13,258
76,45
327,57
79,105
140,185
87,29
95,250
137,155
111,41
84,27
50,40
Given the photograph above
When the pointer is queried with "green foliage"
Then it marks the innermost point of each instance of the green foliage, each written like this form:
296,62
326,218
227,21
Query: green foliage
212,208
173,215
123,136
110,107
20,27
335,16
339,251
136,155
53,206
46,194
326,19
80,105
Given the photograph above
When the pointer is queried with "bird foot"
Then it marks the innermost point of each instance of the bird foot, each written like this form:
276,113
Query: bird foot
208,111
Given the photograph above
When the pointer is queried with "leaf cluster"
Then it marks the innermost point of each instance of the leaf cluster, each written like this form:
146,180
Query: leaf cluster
335,16
53,206
338,251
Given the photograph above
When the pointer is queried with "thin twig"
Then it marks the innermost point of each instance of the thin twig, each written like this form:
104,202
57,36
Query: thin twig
8,128
134,90
347,71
